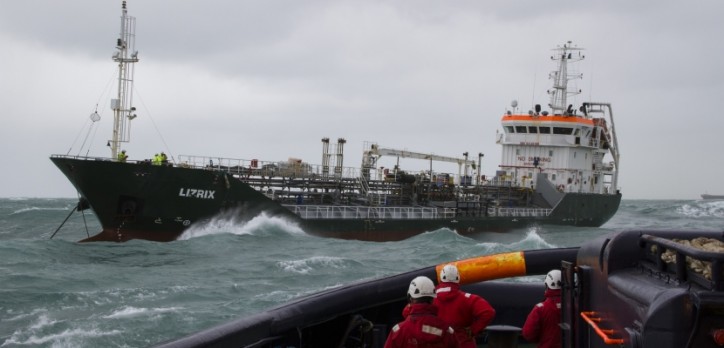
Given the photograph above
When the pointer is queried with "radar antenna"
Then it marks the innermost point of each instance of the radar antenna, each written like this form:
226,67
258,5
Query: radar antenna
125,56
559,93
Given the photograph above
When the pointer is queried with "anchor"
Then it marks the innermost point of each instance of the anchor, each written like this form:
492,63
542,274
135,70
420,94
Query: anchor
81,206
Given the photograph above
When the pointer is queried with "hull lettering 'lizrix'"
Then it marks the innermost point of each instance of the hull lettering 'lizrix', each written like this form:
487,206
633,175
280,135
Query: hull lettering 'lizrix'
559,166
194,193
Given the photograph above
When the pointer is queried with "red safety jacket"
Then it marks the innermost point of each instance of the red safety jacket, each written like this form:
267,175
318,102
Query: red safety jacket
542,323
421,328
468,314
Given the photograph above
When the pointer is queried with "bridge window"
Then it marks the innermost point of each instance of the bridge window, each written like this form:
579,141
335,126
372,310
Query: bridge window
509,129
532,129
562,130
544,130
520,129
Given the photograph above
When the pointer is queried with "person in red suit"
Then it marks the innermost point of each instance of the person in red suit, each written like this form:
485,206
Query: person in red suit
468,314
541,326
421,327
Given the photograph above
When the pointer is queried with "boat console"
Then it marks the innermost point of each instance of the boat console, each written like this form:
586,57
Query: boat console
646,289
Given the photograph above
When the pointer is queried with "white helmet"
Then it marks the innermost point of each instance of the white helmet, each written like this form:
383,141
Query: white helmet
421,287
553,279
450,274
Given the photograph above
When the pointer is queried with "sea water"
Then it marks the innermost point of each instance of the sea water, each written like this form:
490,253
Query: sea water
59,293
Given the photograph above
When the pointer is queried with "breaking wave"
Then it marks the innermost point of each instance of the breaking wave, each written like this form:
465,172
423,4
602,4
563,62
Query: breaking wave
129,311
66,338
58,293
700,209
234,225
30,209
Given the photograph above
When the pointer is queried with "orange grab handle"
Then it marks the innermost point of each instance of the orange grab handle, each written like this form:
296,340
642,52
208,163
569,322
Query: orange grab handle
603,333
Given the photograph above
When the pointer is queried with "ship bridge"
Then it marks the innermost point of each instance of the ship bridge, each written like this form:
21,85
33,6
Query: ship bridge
574,147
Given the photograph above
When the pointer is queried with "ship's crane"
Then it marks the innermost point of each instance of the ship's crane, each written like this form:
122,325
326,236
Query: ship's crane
381,151
374,152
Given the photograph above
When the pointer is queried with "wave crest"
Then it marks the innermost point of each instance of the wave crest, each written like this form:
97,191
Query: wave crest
700,209
232,224
130,311
305,266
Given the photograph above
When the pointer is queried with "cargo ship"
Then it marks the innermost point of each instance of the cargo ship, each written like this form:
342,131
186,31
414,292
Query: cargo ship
708,196
559,166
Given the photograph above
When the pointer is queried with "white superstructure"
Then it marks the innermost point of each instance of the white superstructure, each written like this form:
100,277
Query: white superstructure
574,147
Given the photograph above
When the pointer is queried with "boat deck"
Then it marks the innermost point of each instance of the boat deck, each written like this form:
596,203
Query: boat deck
312,191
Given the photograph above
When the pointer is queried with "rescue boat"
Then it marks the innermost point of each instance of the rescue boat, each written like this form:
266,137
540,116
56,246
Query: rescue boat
634,288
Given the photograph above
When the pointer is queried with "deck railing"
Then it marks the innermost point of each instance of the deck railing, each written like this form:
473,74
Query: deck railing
401,213
710,276
366,212
520,212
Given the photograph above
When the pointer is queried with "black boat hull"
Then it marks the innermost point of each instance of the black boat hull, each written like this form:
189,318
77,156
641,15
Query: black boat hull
321,320
160,202
143,201
616,292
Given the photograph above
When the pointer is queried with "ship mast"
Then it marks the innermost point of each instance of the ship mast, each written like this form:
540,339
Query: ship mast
559,93
123,112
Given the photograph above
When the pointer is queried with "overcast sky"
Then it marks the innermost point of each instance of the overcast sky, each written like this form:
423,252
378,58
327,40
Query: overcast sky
269,79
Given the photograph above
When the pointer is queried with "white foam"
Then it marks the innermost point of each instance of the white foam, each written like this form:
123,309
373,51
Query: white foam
305,266
263,222
58,338
232,224
25,315
25,210
42,321
532,237
126,312
129,311
532,240
700,209
275,296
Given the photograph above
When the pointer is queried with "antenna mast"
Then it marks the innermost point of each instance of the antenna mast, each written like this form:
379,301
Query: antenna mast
123,112
559,93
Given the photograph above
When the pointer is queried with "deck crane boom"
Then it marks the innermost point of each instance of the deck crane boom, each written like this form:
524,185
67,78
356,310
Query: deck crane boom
374,152
381,151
